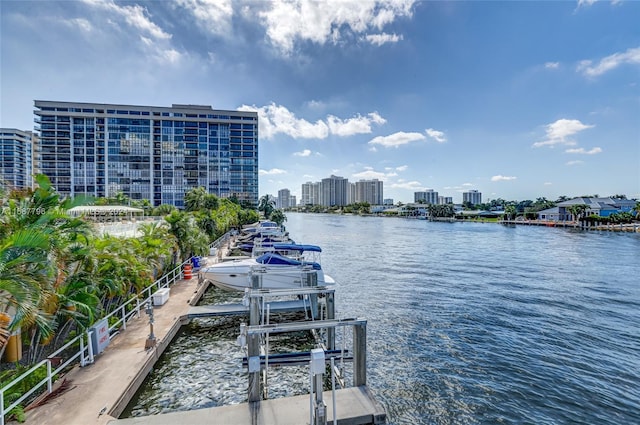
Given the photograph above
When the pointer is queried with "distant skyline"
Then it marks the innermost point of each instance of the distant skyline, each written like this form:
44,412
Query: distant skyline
517,100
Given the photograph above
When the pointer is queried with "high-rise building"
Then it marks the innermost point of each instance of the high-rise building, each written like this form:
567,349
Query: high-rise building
369,191
473,197
284,197
310,193
428,197
445,200
16,158
148,152
334,191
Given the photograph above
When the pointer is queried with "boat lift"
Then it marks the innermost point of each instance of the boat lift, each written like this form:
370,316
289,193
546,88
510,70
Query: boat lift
259,327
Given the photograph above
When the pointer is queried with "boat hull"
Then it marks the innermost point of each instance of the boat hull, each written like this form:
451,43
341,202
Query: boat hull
237,277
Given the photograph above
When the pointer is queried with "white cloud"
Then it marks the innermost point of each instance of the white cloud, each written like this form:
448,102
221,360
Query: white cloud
547,184
502,178
213,16
304,153
552,65
436,135
288,22
355,125
80,23
585,152
402,168
275,119
559,131
370,174
576,162
412,185
586,2
380,39
397,139
137,20
135,16
271,172
316,104
631,56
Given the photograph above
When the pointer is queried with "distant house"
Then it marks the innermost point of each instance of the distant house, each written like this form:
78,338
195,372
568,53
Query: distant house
553,214
602,207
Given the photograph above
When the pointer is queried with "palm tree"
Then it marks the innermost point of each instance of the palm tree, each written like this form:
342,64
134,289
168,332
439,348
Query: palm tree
509,211
577,210
164,209
24,271
266,205
278,217
195,199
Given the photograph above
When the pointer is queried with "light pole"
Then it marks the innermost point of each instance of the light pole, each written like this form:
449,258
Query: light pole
151,341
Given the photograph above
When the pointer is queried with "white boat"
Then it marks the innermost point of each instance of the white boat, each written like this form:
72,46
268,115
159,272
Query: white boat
276,271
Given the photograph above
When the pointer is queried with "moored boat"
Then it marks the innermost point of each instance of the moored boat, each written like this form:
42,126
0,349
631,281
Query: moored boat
277,272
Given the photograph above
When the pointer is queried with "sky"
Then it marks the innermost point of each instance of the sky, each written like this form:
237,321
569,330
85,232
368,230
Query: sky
518,100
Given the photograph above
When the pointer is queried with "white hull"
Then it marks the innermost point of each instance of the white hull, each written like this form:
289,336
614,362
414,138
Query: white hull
236,275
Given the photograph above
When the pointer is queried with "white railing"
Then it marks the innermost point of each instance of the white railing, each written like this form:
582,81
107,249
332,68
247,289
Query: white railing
123,317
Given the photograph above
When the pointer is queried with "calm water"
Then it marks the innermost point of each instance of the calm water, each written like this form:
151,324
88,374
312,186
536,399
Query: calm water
467,324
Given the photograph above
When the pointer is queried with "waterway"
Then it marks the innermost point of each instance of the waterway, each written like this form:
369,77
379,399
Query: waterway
468,323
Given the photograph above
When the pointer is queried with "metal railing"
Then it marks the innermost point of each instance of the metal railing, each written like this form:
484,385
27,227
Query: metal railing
83,341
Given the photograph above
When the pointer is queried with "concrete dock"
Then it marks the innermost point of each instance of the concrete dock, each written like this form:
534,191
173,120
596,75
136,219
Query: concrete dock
355,406
99,393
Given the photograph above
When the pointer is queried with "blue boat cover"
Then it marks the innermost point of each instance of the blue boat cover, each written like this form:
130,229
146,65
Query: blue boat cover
297,247
272,258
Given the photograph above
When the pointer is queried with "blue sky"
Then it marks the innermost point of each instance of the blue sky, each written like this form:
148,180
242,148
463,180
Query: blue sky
518,100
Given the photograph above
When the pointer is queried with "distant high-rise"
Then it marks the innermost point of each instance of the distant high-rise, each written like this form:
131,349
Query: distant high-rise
334,191
428,197
444,200
148,152
16,158
473,197
370,191
310,193
284,198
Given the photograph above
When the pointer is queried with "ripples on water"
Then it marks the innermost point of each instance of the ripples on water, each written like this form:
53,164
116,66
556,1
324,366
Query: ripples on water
472,323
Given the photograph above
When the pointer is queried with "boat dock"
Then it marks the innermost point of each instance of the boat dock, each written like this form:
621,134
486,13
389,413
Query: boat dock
99,392
355,406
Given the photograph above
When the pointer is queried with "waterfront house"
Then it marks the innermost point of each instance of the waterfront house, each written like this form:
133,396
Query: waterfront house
602,207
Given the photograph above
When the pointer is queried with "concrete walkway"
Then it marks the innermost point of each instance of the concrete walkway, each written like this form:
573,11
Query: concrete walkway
100,391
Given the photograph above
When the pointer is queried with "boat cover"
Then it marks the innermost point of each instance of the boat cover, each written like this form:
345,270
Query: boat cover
272,258
297,247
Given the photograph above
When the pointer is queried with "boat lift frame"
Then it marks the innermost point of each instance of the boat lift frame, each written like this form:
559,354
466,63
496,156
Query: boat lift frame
252,333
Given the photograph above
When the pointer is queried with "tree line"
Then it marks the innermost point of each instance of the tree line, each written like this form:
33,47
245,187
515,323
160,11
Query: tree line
58,275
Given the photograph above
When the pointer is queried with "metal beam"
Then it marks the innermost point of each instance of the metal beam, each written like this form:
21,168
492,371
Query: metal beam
304,326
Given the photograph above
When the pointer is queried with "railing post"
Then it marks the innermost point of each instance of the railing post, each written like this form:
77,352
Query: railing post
89,332
124,318
82,359
49,377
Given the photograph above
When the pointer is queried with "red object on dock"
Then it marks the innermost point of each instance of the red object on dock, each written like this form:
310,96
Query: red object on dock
186,271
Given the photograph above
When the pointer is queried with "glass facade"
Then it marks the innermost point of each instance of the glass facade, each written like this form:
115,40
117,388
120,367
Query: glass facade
16,158
148,152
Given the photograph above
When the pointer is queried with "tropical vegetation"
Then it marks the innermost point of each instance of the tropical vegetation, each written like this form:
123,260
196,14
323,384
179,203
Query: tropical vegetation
58,275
